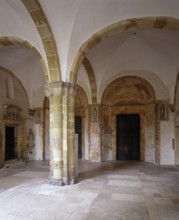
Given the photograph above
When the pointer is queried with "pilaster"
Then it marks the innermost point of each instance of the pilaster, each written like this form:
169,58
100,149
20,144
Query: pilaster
95,133
71,133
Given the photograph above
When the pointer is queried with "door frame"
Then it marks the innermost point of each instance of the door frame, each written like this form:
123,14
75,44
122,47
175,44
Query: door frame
141,111
18,139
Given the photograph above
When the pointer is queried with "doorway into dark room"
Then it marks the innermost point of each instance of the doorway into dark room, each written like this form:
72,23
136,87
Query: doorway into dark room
128,137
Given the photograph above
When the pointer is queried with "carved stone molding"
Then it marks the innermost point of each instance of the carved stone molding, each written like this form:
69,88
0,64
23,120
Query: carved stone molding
163,110
13,113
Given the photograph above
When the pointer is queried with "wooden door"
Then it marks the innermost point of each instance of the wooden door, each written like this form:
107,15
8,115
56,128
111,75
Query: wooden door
128,137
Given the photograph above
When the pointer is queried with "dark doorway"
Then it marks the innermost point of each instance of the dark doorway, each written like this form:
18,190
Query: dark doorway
9,143
78,130
128,137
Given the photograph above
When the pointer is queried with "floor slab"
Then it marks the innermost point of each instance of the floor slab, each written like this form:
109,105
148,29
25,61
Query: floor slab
108,190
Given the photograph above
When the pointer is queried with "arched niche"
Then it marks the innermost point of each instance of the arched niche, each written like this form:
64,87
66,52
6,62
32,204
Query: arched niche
14,105
127,96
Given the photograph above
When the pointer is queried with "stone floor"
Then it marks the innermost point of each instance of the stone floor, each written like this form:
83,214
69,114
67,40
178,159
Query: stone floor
114,190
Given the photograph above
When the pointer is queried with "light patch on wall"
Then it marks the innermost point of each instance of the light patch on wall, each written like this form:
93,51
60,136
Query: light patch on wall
9,88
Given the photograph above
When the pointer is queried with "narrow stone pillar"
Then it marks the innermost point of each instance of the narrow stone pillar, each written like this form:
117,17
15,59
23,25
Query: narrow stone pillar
157,136
95,133
54,91
65,134
71,134
2,143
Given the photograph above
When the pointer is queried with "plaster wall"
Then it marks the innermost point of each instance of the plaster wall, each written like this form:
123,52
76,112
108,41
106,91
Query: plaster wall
177,145
166,144
38,131
176,126
30,146
150,130
86,135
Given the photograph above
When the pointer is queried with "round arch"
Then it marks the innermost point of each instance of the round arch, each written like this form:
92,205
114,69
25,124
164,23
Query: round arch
6,41
14,76
128,85
167,23
161,90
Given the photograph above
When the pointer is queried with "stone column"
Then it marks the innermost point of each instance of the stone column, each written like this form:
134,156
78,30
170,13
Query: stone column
65,133
68,134
54,91
71,134
62,135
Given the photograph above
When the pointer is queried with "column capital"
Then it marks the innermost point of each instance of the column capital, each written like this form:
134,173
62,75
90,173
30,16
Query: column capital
69,85
55,87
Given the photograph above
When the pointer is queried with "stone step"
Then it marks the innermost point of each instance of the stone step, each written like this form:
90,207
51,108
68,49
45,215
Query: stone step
13,163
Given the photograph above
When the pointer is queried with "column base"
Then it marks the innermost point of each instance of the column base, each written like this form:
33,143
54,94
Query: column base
56,182
64,182
70,181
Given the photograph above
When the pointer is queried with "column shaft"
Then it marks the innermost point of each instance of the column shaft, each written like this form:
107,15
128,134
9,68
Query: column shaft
56,152
62,145
71,135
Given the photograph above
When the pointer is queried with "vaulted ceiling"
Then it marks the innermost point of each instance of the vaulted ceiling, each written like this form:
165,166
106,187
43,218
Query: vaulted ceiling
116,37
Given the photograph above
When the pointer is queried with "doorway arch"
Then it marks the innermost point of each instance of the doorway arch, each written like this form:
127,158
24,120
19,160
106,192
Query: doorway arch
124,96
